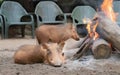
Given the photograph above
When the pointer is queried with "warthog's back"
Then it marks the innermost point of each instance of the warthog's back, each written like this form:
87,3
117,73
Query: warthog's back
55,33
28,54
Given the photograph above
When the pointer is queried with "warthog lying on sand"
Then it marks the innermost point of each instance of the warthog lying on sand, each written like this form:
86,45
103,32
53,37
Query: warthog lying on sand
49,53
56,33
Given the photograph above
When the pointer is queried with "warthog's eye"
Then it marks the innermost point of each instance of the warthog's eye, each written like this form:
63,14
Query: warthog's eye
62,54
51,59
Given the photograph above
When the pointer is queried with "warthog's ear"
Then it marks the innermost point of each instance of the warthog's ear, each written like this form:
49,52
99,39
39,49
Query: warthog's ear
44,45
61,45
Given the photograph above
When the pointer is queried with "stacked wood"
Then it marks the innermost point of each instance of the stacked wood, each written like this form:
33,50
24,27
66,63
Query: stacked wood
101,49
108,30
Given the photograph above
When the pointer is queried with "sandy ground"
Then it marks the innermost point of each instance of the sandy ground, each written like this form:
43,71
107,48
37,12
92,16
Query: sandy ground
86,65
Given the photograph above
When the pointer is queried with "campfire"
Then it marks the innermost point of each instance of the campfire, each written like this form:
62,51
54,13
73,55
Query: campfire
103,33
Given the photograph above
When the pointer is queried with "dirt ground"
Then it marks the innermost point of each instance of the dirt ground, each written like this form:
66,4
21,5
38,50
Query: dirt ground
86,65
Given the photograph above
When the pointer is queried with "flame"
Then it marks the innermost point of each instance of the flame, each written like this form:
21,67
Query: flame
107,8
89,29
92,30
86,20
96,35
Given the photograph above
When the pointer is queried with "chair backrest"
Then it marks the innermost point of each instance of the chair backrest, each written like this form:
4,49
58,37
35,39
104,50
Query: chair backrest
13,11
116,7
81,12
48,10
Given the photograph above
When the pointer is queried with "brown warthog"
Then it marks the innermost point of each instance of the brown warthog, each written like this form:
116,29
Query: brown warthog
49,53
56,33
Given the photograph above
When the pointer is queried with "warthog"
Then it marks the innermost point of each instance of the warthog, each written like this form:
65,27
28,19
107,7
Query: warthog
49,53
56,33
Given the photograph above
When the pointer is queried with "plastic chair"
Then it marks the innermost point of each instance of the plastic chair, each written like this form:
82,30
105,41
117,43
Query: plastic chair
13,13
81,12
48,11
116,7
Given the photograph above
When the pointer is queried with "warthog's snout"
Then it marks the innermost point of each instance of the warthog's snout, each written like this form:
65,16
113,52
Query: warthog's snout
57,64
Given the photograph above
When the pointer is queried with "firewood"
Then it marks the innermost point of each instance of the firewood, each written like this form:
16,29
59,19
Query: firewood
83,42
101,49
83,48
109,30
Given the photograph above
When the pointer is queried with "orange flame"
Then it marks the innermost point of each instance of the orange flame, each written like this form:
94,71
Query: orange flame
92,30
107,8
88,22
96,35
89,29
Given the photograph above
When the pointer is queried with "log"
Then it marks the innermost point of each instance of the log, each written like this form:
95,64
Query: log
108,30
101,49
84,47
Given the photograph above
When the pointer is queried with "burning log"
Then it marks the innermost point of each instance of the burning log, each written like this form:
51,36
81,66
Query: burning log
108,30
103,26
101,49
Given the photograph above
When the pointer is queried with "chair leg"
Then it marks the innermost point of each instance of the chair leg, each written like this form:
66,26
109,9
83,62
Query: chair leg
6,32
23,31
2,33
32,32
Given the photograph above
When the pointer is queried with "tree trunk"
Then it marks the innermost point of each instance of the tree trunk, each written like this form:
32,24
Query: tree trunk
101,49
